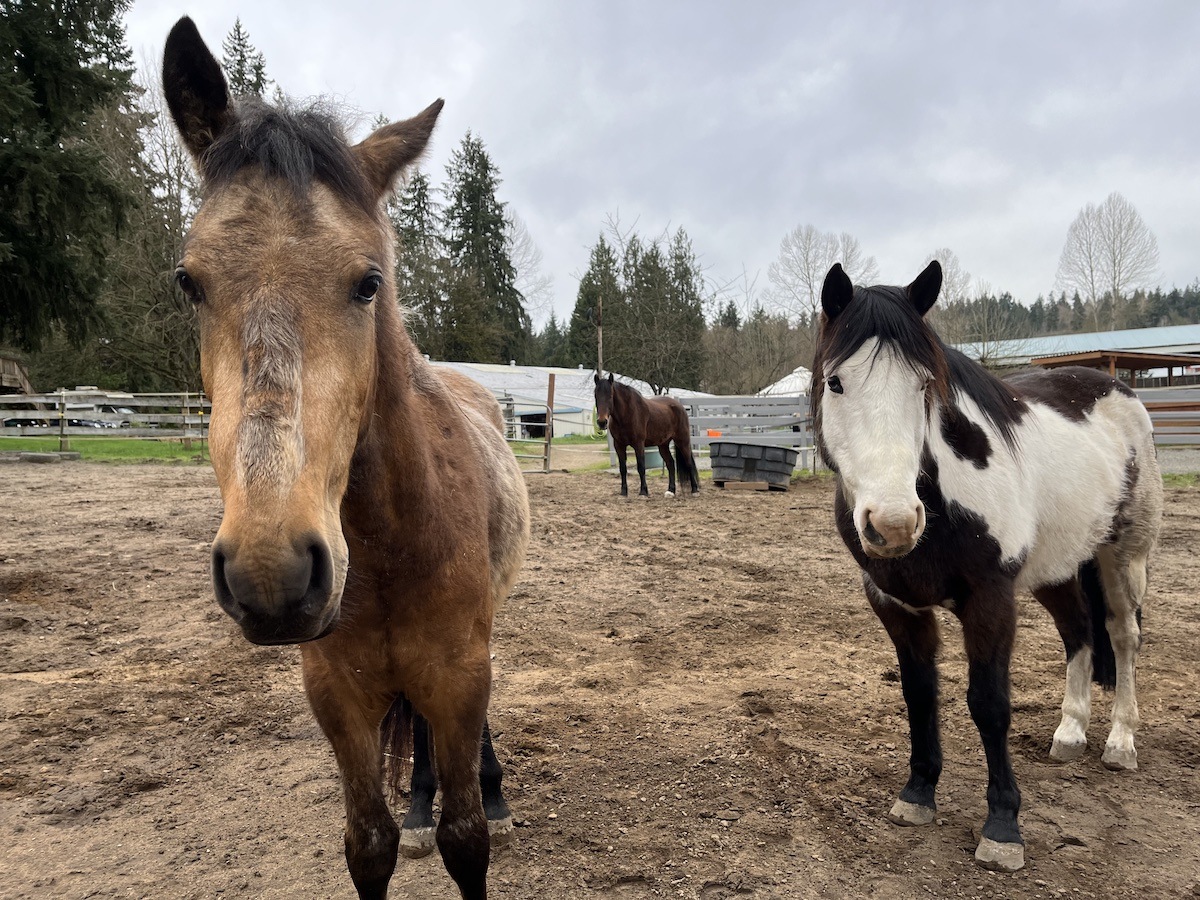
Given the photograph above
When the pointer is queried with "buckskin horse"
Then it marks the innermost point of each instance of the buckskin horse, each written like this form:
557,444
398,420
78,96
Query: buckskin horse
634,420
957,489
373,513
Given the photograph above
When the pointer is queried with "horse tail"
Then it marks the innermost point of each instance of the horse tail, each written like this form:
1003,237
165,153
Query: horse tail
1104,661
396,741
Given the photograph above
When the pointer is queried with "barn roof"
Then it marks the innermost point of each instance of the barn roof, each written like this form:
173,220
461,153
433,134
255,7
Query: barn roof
573,388
1172,339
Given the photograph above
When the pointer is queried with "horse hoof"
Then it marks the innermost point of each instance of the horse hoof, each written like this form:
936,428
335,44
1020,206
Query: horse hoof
501,832
1063,752
1119,760
417,843
905,813
668,493
998,857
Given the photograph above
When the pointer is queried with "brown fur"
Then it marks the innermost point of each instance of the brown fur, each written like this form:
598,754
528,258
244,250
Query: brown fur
330,431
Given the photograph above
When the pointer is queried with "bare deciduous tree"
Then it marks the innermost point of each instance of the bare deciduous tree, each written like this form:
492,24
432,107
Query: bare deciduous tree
758,350
1109,251
805,257
535,286
948,315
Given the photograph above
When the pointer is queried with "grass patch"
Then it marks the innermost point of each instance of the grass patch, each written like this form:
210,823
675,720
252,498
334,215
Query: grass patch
598,439
1188,480
114,450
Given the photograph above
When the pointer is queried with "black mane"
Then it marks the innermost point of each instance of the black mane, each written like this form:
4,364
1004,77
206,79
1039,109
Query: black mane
295,146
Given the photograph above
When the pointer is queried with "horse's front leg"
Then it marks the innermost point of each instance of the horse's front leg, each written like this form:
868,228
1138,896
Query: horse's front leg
989,623
350,719
915,635
639,451
456,710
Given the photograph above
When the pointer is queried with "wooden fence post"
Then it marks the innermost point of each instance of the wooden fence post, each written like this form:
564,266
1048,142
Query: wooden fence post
549,422
64,442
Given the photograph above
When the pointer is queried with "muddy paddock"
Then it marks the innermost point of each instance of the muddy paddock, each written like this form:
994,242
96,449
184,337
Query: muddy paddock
692,700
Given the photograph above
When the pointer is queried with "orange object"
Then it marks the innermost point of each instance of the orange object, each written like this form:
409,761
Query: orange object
712,432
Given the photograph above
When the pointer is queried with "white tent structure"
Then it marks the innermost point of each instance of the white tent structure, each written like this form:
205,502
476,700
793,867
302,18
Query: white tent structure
798,382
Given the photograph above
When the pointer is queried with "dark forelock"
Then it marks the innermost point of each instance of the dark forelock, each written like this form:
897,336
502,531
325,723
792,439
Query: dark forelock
296,146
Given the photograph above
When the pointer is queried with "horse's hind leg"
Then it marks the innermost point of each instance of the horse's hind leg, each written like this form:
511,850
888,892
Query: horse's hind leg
499,817
664,451
687,463
1124,579
350,720
1066,606
417,833
417,838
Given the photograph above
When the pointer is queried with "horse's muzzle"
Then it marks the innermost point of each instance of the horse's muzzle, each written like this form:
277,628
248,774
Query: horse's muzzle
278,595
602,424
892,536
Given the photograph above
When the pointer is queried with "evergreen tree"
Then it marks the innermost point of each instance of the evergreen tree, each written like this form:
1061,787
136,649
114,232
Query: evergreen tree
599,289
657,327
421,264
60,204
485,310
729,317
551,345
245,68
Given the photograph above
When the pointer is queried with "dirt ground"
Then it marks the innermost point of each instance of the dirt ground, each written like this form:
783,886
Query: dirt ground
692,700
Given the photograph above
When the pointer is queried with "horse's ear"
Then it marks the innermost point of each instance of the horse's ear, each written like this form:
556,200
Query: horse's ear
836,292
610,378
596,378
196,91
388,151
924,291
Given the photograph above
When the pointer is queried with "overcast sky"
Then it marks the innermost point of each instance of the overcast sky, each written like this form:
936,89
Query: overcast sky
981,127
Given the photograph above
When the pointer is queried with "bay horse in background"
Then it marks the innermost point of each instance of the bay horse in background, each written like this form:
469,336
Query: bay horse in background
637,421
373,513
958,489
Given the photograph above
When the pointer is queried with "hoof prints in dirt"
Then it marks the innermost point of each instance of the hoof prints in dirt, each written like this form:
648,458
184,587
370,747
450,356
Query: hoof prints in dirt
692,699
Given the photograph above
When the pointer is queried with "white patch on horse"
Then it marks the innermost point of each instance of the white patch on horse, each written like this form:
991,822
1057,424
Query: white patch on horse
1050,498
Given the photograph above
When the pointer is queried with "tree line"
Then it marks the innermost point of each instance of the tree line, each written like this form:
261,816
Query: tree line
96,196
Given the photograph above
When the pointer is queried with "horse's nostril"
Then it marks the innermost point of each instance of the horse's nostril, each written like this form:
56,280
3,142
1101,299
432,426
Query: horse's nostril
221,588
874,536
320,575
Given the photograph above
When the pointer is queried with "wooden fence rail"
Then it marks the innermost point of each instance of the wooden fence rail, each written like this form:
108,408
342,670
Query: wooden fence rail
66,414
766,421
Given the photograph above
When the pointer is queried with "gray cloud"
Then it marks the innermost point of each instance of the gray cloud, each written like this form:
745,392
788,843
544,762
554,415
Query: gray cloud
983,127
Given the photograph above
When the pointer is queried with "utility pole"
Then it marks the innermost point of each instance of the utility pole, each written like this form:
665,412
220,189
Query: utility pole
600,335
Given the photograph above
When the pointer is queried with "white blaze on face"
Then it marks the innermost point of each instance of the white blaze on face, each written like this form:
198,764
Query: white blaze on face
874,429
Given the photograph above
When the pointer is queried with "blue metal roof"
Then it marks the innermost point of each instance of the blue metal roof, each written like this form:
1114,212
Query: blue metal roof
1166,339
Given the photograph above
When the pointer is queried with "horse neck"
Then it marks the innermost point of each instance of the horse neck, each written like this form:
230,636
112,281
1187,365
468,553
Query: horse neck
390,479
625,401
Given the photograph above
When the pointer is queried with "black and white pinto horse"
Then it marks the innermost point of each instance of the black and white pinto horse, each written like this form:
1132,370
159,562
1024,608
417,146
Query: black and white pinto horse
957,489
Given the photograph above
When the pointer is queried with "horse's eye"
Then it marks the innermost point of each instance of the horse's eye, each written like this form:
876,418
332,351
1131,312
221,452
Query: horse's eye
368,288
834,384
187,285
